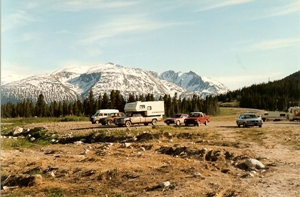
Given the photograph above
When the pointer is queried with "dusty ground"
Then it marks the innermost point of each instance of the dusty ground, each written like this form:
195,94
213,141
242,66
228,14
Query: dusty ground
197,161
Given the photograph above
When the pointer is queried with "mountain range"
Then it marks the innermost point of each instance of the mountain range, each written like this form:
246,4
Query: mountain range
73,83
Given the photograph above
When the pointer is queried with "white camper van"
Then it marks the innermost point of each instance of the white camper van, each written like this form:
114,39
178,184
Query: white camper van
293,113
103,113
142,113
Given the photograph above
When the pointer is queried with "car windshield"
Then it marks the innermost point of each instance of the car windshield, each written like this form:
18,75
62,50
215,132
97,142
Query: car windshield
177,116
195,115
248,116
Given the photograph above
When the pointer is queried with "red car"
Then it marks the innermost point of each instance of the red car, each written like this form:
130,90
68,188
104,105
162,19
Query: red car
197,118
178,119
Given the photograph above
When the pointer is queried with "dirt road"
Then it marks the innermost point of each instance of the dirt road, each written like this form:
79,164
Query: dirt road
160,161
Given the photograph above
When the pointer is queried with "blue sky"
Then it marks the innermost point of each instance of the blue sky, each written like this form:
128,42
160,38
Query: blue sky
237,42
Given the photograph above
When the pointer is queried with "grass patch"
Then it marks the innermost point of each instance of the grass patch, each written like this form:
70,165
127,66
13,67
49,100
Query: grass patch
21,143
229,111
54,192
74,118
10,144
252,135
8,124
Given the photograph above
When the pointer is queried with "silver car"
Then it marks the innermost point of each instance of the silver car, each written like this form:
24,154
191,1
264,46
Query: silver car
249,119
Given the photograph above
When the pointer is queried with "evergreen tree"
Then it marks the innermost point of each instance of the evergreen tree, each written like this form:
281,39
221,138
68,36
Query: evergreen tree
105,101
131,98
91,103
40,107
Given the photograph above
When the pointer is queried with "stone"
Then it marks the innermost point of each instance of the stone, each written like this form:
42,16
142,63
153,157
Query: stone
17,131
142,149
198,174
127,145
165,184
32,139
78,142
253,163
52,174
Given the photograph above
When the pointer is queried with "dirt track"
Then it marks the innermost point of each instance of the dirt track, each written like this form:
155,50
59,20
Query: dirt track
202,161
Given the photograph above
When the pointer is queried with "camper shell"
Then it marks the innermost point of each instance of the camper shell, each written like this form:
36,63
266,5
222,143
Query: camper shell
103,113
141,113
148,108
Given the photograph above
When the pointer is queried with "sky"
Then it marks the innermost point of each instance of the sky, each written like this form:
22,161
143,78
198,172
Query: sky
236,42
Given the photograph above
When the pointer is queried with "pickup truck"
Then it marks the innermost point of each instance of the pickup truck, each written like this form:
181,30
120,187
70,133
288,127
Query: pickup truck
136,118
197,118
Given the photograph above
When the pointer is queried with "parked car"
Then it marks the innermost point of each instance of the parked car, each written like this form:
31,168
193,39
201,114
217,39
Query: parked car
110,120
197,118
178,119
249,119
103,113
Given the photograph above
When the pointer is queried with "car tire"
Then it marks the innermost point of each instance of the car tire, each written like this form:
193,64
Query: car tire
154,122
205,123
109,122
127,123
239,125
146,124
260,126
177,123
245,125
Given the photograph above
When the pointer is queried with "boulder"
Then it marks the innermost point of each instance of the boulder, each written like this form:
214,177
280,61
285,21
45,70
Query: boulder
253,163
17,131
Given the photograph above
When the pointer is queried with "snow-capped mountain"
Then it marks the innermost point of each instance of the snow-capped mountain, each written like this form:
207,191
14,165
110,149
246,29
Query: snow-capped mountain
75,83
194,83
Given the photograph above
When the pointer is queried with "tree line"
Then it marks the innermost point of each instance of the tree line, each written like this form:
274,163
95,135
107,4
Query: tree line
114,100
276,95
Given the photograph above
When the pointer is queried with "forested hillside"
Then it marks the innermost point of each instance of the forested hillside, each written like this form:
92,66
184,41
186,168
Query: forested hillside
112,100
276,95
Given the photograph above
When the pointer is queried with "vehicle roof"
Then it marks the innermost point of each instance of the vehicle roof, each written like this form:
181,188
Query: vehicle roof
108,110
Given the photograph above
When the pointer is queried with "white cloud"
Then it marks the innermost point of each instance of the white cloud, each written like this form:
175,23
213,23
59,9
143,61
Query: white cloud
285,10
239,81
224,3
16,19
77,5
274,44
121,26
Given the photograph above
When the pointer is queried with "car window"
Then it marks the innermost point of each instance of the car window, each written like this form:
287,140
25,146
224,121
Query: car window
177,115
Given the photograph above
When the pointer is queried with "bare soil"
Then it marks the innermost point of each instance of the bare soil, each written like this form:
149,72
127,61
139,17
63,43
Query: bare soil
159,161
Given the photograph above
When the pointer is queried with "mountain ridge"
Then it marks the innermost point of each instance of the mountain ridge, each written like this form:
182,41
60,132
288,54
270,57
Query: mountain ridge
71,83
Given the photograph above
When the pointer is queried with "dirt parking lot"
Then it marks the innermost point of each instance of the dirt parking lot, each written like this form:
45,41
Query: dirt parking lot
213,160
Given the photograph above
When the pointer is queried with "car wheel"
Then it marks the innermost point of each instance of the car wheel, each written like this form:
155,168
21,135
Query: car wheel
205,123
177,123
186,124
239,125
259,125
109,123
127,123
245,125
146,124
154,122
